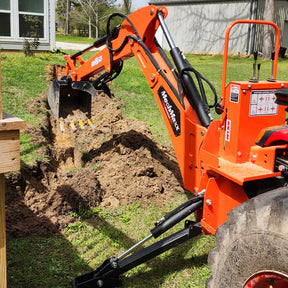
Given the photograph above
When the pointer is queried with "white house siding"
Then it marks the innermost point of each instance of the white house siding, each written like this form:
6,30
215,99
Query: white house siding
202,27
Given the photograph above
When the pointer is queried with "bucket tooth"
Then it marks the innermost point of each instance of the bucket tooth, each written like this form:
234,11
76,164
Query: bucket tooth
81,121
61,124
71,121
89,121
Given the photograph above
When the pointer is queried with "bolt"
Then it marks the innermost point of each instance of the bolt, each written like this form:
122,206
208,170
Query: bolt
253,158
282,85
282,168
209,202
114,265
239,154
152,77
202,133
249,86
244,91
100,283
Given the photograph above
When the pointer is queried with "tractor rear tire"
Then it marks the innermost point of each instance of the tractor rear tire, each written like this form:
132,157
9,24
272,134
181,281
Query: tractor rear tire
252,246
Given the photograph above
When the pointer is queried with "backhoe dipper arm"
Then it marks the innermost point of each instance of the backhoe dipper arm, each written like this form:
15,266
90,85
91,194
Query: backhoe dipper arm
185,113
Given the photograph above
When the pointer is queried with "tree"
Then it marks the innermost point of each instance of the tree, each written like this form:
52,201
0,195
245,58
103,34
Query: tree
127,6
90,8
63,9
88,14
268,30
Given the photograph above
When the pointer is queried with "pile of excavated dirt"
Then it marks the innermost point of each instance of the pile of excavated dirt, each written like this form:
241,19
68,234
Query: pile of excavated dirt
114,163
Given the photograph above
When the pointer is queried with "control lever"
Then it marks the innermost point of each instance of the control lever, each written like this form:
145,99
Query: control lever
258,71
254,80
272,58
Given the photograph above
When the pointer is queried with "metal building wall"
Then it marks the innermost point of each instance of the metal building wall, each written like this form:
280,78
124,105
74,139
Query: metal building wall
201,27
280,18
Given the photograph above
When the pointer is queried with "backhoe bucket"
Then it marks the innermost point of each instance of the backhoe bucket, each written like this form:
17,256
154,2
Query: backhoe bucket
64,98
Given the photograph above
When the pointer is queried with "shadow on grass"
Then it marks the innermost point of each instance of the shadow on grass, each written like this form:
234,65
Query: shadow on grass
48,259
163,269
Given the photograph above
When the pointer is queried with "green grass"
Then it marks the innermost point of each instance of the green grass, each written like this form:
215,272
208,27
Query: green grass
42,262
23,80
74,39
100,233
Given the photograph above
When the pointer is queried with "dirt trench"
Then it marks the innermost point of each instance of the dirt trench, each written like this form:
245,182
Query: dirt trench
115,163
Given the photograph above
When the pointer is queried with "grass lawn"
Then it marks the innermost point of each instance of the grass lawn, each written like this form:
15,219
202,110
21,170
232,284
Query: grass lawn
100,233
74,39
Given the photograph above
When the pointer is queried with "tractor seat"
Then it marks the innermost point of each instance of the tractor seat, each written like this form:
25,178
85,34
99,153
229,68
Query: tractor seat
282,96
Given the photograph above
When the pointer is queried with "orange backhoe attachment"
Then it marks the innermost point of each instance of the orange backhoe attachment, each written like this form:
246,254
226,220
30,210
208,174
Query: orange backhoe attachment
224,163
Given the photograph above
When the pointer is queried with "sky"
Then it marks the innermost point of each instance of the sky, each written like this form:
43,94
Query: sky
136,4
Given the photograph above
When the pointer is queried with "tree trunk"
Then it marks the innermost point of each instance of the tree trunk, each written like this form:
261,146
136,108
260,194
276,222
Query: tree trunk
127,6
66,30
89,21
268,30
97,21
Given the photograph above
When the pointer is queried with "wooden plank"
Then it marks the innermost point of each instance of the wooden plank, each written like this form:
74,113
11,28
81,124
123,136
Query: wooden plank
9,151
10,122
3,269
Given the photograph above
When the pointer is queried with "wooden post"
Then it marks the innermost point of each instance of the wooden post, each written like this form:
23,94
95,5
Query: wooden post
3,272
1,109
9,161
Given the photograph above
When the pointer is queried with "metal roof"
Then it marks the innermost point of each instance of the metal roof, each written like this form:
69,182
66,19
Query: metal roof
179,2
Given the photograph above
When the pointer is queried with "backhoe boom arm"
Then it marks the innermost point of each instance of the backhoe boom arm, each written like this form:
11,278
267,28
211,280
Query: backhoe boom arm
181,105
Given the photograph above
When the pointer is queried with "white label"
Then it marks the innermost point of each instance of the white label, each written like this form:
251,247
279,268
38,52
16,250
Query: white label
228,130
234,93
96,61
263,103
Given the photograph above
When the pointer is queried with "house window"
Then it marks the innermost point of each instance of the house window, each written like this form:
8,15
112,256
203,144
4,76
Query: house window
5,29
36,6
31,26
23,18
5,5
5,18
31,18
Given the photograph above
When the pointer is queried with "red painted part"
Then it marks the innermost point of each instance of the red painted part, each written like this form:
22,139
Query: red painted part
267,279
280,136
